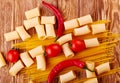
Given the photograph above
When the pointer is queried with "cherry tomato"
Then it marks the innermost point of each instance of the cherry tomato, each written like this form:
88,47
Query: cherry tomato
77,45
12,55
53,50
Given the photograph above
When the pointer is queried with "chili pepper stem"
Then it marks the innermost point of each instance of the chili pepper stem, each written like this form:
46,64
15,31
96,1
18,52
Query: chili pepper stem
56,38
88,69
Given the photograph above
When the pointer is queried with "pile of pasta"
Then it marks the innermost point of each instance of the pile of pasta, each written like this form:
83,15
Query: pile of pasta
98,55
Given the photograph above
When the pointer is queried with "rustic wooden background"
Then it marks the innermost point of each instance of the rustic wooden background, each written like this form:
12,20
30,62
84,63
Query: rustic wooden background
12,15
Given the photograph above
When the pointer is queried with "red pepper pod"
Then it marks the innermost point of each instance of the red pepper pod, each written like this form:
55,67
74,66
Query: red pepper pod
59,18
64,64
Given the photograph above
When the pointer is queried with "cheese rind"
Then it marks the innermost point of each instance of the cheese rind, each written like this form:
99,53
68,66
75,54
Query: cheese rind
93,42
2,61
32,13
67,77
31,22
48,20
27,60
22,33
16,68
40,31
67,51
41,63
36,51
71,24
105,67
81,31
85,20
50,31
65,38
11,36
98,28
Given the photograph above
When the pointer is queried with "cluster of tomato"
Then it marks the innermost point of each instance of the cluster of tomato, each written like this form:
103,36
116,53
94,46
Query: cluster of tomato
51,50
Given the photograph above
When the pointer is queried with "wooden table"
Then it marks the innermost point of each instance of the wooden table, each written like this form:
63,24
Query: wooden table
12,15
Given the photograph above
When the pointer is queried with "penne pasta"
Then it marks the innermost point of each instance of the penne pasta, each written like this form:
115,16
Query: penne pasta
50,32
93,42
16,68
71,24
48,20
32,13
36,51
85,20
103,68
92,80
22,33
41,62
81,31
11,36
40,31
31,22
65,38
26,59
67,51
91,66
2,61
67,77
98,28
30,81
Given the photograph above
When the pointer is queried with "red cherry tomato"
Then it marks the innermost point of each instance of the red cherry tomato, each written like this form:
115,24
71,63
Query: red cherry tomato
77,45
12,56
53,50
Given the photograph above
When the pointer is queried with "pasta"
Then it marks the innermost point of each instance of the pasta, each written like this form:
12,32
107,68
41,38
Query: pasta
31,22
67,77
36,51
65,38
71,24
81,31
50,32
98,28
92,80
48,20
26,59
93,42
40,31
103,68
32,13
22,33
41,63
16,68
2,61
67,51
11,36
85,20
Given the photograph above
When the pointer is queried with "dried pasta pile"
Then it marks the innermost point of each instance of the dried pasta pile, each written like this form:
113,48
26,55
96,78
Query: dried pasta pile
100,54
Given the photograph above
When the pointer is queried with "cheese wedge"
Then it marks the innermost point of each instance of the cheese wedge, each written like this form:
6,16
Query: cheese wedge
32,13
11,36
16,68
22,33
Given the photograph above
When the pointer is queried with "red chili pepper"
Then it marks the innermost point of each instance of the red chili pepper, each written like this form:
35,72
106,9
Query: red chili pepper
65,64
59,18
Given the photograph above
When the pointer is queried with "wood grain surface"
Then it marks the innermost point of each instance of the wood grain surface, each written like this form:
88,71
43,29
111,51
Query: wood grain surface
12,15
